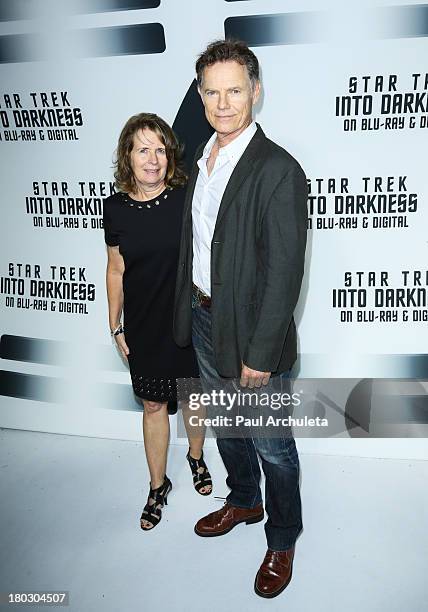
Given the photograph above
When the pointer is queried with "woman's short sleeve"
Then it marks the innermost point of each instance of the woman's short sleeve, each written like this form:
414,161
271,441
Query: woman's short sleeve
111,236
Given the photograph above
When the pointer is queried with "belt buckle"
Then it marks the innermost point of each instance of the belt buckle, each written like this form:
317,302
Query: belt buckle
195,301
199,298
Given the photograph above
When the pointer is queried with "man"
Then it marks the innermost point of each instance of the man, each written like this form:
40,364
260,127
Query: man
240,272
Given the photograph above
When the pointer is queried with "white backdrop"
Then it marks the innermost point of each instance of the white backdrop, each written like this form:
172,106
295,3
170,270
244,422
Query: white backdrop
345,91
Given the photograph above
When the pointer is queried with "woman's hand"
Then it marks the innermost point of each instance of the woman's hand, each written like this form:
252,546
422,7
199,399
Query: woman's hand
121,345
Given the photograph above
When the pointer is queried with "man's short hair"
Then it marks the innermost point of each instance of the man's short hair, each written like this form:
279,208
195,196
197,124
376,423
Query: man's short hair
225,51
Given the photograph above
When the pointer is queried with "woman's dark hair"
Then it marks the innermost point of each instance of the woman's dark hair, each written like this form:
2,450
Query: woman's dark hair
225,51
124,175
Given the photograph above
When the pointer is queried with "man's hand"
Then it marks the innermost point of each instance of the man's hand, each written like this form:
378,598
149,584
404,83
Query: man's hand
253,378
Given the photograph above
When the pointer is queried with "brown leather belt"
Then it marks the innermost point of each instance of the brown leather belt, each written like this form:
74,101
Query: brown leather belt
201,298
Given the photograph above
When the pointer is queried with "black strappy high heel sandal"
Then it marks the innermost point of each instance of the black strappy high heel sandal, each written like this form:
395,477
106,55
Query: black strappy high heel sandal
200,473
152,512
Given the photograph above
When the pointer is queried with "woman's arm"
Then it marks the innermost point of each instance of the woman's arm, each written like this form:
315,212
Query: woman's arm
114,281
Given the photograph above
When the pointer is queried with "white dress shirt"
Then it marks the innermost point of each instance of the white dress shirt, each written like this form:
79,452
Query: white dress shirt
207,197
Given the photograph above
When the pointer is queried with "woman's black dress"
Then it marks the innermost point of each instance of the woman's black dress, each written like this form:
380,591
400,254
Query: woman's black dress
148,236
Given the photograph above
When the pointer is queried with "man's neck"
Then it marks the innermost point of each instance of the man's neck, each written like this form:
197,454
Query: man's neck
224,139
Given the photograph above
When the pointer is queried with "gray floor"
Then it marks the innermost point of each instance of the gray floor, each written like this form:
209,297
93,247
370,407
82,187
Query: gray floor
69,516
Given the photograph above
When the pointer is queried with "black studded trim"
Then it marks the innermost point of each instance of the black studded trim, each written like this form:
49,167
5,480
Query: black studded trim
155,389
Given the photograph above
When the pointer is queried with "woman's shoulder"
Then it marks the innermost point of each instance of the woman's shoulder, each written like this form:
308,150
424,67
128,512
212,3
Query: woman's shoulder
179,191
113,200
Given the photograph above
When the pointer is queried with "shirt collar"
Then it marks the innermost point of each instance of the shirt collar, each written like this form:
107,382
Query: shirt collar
234,149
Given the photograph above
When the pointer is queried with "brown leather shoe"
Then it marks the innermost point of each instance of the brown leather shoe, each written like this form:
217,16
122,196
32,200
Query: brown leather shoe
222,521
274,573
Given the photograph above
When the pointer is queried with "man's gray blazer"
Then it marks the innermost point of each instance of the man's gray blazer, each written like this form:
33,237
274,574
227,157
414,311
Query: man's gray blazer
257,261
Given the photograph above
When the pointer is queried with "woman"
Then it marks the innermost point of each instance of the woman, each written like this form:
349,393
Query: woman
142,225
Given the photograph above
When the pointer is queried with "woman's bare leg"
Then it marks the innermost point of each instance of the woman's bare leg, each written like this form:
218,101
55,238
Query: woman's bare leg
195,435
156,439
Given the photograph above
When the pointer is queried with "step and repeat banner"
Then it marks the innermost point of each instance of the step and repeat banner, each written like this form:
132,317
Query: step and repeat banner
345,91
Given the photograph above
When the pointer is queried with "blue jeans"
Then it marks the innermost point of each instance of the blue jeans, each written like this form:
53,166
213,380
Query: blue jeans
279,458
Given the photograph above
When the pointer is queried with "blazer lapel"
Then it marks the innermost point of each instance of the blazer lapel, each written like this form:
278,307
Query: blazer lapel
192,184
240,173
187,231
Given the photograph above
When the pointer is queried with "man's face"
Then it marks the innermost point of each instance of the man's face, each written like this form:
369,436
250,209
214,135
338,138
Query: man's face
228,97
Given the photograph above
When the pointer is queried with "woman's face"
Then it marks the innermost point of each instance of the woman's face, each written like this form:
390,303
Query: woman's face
148,160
